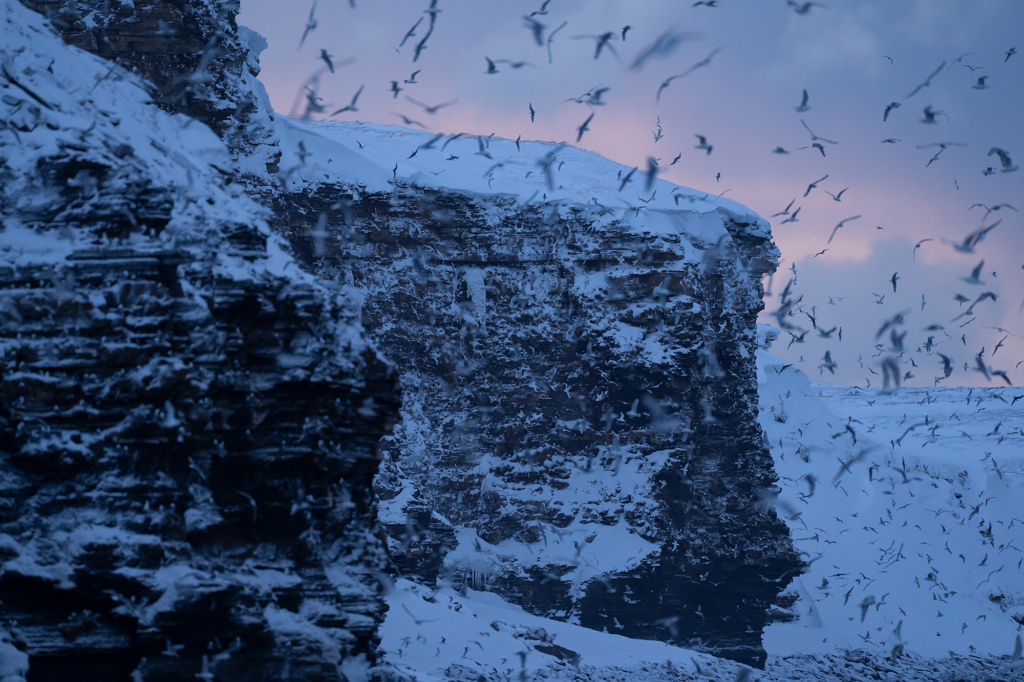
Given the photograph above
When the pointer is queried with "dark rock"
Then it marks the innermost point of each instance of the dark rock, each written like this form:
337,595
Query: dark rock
567,380
192,55
188,422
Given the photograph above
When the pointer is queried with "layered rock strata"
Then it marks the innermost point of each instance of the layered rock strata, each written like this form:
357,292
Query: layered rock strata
579,424
192,56
188,422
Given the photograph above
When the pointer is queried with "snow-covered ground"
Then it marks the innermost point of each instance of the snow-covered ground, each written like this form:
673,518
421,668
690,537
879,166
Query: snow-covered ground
914,548
923,527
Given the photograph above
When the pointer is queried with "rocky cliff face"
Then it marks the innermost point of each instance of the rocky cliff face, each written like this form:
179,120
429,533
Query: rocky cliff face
578,431
188,422
579,425
193,57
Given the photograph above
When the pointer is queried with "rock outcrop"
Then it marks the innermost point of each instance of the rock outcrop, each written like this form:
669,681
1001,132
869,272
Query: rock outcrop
579,428
192,56
188,422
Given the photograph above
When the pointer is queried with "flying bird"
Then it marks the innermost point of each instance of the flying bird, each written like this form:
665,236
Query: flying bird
1004,159
602,41
411,33
889,107
551,37
352,106
430,109
973,239
841,223
310,25
663,46
408,121
1009,53
803,104
928,80
536,28
532,112
814,184
930,114
815,138
785,211
803,7
703,144
583,128
837,197
684,74
918,246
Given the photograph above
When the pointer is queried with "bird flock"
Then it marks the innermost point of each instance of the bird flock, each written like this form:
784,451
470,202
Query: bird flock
620,49
902,347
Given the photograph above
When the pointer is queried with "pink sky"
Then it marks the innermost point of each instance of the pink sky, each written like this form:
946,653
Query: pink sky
743,102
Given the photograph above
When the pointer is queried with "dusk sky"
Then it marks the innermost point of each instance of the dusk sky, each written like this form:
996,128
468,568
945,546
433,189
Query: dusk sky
853,57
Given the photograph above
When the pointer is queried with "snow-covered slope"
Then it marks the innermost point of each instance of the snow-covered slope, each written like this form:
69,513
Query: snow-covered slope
373,156
876,546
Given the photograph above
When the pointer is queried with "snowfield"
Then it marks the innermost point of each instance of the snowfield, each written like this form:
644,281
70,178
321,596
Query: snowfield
907,507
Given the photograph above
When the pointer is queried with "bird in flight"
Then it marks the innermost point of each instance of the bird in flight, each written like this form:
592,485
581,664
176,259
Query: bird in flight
583,128
841,223
602,41
889,107
411,33
327,59
803,7
352,106
702,63
429,109
532,112
785,211
973,239
814,184
1004,159
930,114
837,197
803,103
918,246
703,144
408,121
310,25
815,138
928,80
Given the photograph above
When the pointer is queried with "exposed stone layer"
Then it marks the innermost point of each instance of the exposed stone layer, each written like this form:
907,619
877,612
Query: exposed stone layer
568,380
188,422
191,54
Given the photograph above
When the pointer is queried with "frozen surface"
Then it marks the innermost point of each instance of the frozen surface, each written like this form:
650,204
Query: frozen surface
925,528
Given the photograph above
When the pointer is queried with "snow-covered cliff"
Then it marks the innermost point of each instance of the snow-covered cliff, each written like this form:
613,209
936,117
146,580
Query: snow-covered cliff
188,421
578,429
